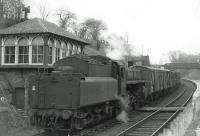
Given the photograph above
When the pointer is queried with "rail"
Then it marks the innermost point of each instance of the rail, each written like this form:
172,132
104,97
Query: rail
171,116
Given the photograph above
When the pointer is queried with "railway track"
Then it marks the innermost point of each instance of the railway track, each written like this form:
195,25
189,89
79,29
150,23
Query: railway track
151,122
154,123
52,134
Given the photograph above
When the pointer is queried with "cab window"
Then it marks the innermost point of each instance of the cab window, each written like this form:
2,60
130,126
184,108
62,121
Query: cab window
122,73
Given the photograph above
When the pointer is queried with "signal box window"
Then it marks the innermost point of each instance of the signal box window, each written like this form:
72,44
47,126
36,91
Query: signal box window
37,54
64,50
57,55
9,54
9,51
70,47
23,51
23,55
50,51
38,50
50,55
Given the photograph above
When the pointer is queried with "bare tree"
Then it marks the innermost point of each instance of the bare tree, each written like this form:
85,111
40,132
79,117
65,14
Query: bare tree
75,28
66,18
12,12
181,57
91,29
81,30
95,27
173,56
13,9
44,12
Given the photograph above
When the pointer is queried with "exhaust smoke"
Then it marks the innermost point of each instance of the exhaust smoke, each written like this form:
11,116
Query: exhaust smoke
123,115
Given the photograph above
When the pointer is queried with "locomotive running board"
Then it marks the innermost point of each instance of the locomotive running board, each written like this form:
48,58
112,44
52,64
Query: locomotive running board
135,81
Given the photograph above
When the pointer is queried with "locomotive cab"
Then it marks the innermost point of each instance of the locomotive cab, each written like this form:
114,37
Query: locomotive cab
120,75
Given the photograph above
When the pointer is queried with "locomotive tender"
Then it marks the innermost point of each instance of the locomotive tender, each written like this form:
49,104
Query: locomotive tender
82,90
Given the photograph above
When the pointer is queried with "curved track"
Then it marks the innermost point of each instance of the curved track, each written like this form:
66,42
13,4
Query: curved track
153,124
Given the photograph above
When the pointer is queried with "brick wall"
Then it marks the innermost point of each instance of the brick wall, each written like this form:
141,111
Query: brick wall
16,78
3,122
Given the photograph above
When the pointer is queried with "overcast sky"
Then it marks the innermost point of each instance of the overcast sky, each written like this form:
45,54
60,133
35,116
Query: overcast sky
158,25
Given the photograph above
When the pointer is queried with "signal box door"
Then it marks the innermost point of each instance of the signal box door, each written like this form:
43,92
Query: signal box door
19,97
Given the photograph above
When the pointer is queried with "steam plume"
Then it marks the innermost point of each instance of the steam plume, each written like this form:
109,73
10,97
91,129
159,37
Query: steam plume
123,116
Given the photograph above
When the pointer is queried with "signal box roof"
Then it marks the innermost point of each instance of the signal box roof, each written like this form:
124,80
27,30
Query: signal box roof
37,25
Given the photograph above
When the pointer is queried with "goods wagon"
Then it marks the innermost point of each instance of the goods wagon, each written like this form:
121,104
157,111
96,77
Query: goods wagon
158,80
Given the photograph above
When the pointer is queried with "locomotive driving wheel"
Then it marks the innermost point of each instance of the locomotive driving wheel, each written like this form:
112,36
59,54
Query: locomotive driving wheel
80,119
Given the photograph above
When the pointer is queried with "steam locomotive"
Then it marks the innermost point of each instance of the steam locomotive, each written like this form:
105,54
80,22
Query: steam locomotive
82,90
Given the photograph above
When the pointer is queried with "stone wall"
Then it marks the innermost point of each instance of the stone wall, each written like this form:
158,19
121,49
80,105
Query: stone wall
178,127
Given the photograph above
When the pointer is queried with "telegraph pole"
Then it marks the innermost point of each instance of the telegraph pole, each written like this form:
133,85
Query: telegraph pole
142,46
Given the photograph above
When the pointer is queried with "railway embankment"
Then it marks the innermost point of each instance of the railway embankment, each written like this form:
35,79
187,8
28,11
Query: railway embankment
192,129
186,123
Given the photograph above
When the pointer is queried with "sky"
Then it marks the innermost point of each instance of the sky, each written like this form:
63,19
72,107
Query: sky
154,26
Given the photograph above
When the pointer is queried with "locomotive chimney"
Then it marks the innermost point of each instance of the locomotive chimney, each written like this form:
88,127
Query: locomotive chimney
26,10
